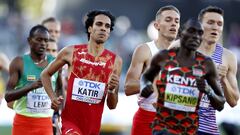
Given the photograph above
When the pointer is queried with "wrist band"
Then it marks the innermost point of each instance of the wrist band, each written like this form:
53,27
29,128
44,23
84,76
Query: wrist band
111,91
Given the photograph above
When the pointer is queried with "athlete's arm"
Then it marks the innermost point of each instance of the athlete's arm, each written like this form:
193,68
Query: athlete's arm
139,60
148,76
215,94
59,84
113,84
229,81
64,57
15,71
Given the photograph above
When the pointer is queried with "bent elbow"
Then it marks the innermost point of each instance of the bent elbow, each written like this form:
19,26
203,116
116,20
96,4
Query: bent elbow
127,93
130,90
127,90
7,97
220,108
233,104
10,105
112,107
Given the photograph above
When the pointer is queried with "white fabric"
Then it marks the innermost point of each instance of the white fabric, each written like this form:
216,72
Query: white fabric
147,103
88,91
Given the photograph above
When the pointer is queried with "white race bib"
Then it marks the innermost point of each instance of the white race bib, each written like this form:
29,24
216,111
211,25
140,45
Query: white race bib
38,101
182,98
88,91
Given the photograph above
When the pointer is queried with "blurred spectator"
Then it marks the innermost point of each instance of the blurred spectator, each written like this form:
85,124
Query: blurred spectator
52,47
53,26
4,66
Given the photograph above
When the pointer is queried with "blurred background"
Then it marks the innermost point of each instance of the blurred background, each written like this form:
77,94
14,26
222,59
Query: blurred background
133,26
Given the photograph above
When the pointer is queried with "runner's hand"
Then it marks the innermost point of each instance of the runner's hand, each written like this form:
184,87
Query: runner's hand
36,84
56,103
201,85
113,82
147,91
222,70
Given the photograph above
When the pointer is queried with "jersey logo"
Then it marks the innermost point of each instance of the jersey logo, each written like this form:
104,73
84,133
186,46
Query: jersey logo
100,63
81,53
31,77
172,69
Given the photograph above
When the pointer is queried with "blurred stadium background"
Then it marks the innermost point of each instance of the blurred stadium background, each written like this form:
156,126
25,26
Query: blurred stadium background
133,26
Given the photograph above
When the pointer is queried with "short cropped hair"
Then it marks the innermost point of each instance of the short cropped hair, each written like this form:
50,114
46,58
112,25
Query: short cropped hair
168,7
212,9
50,19
36,28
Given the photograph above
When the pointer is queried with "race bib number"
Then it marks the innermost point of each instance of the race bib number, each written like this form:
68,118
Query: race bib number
38,101
182,98
88,91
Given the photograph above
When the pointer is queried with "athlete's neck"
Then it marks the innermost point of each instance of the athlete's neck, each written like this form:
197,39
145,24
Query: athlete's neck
162,42
207,48
95,49
37,58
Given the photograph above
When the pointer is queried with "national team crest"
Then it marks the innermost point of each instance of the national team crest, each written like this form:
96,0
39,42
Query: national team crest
31,77
197,72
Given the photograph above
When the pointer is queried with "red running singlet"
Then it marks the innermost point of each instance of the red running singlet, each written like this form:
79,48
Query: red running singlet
86,91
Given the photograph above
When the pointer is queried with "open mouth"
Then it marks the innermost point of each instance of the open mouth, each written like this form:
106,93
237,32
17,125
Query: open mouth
214,34
41,49
173,30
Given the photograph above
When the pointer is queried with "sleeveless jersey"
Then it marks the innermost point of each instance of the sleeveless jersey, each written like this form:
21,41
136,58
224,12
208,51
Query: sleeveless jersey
87,88
179,97
207,116
147,103
36,103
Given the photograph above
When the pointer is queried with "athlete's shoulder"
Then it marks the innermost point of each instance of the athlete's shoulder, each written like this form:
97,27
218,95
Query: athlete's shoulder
17,62
80,46
228,53
67,49
142,48
229,58
110,52
202,57
18,59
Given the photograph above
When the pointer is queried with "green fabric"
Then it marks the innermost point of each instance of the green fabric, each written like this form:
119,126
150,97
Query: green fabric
31,73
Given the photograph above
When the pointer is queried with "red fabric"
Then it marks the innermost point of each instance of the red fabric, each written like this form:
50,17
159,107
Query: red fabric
70,129
23,125
81,116
142,121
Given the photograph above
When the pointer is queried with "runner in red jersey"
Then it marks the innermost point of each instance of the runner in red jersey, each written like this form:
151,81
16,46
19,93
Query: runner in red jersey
181,83
94,76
